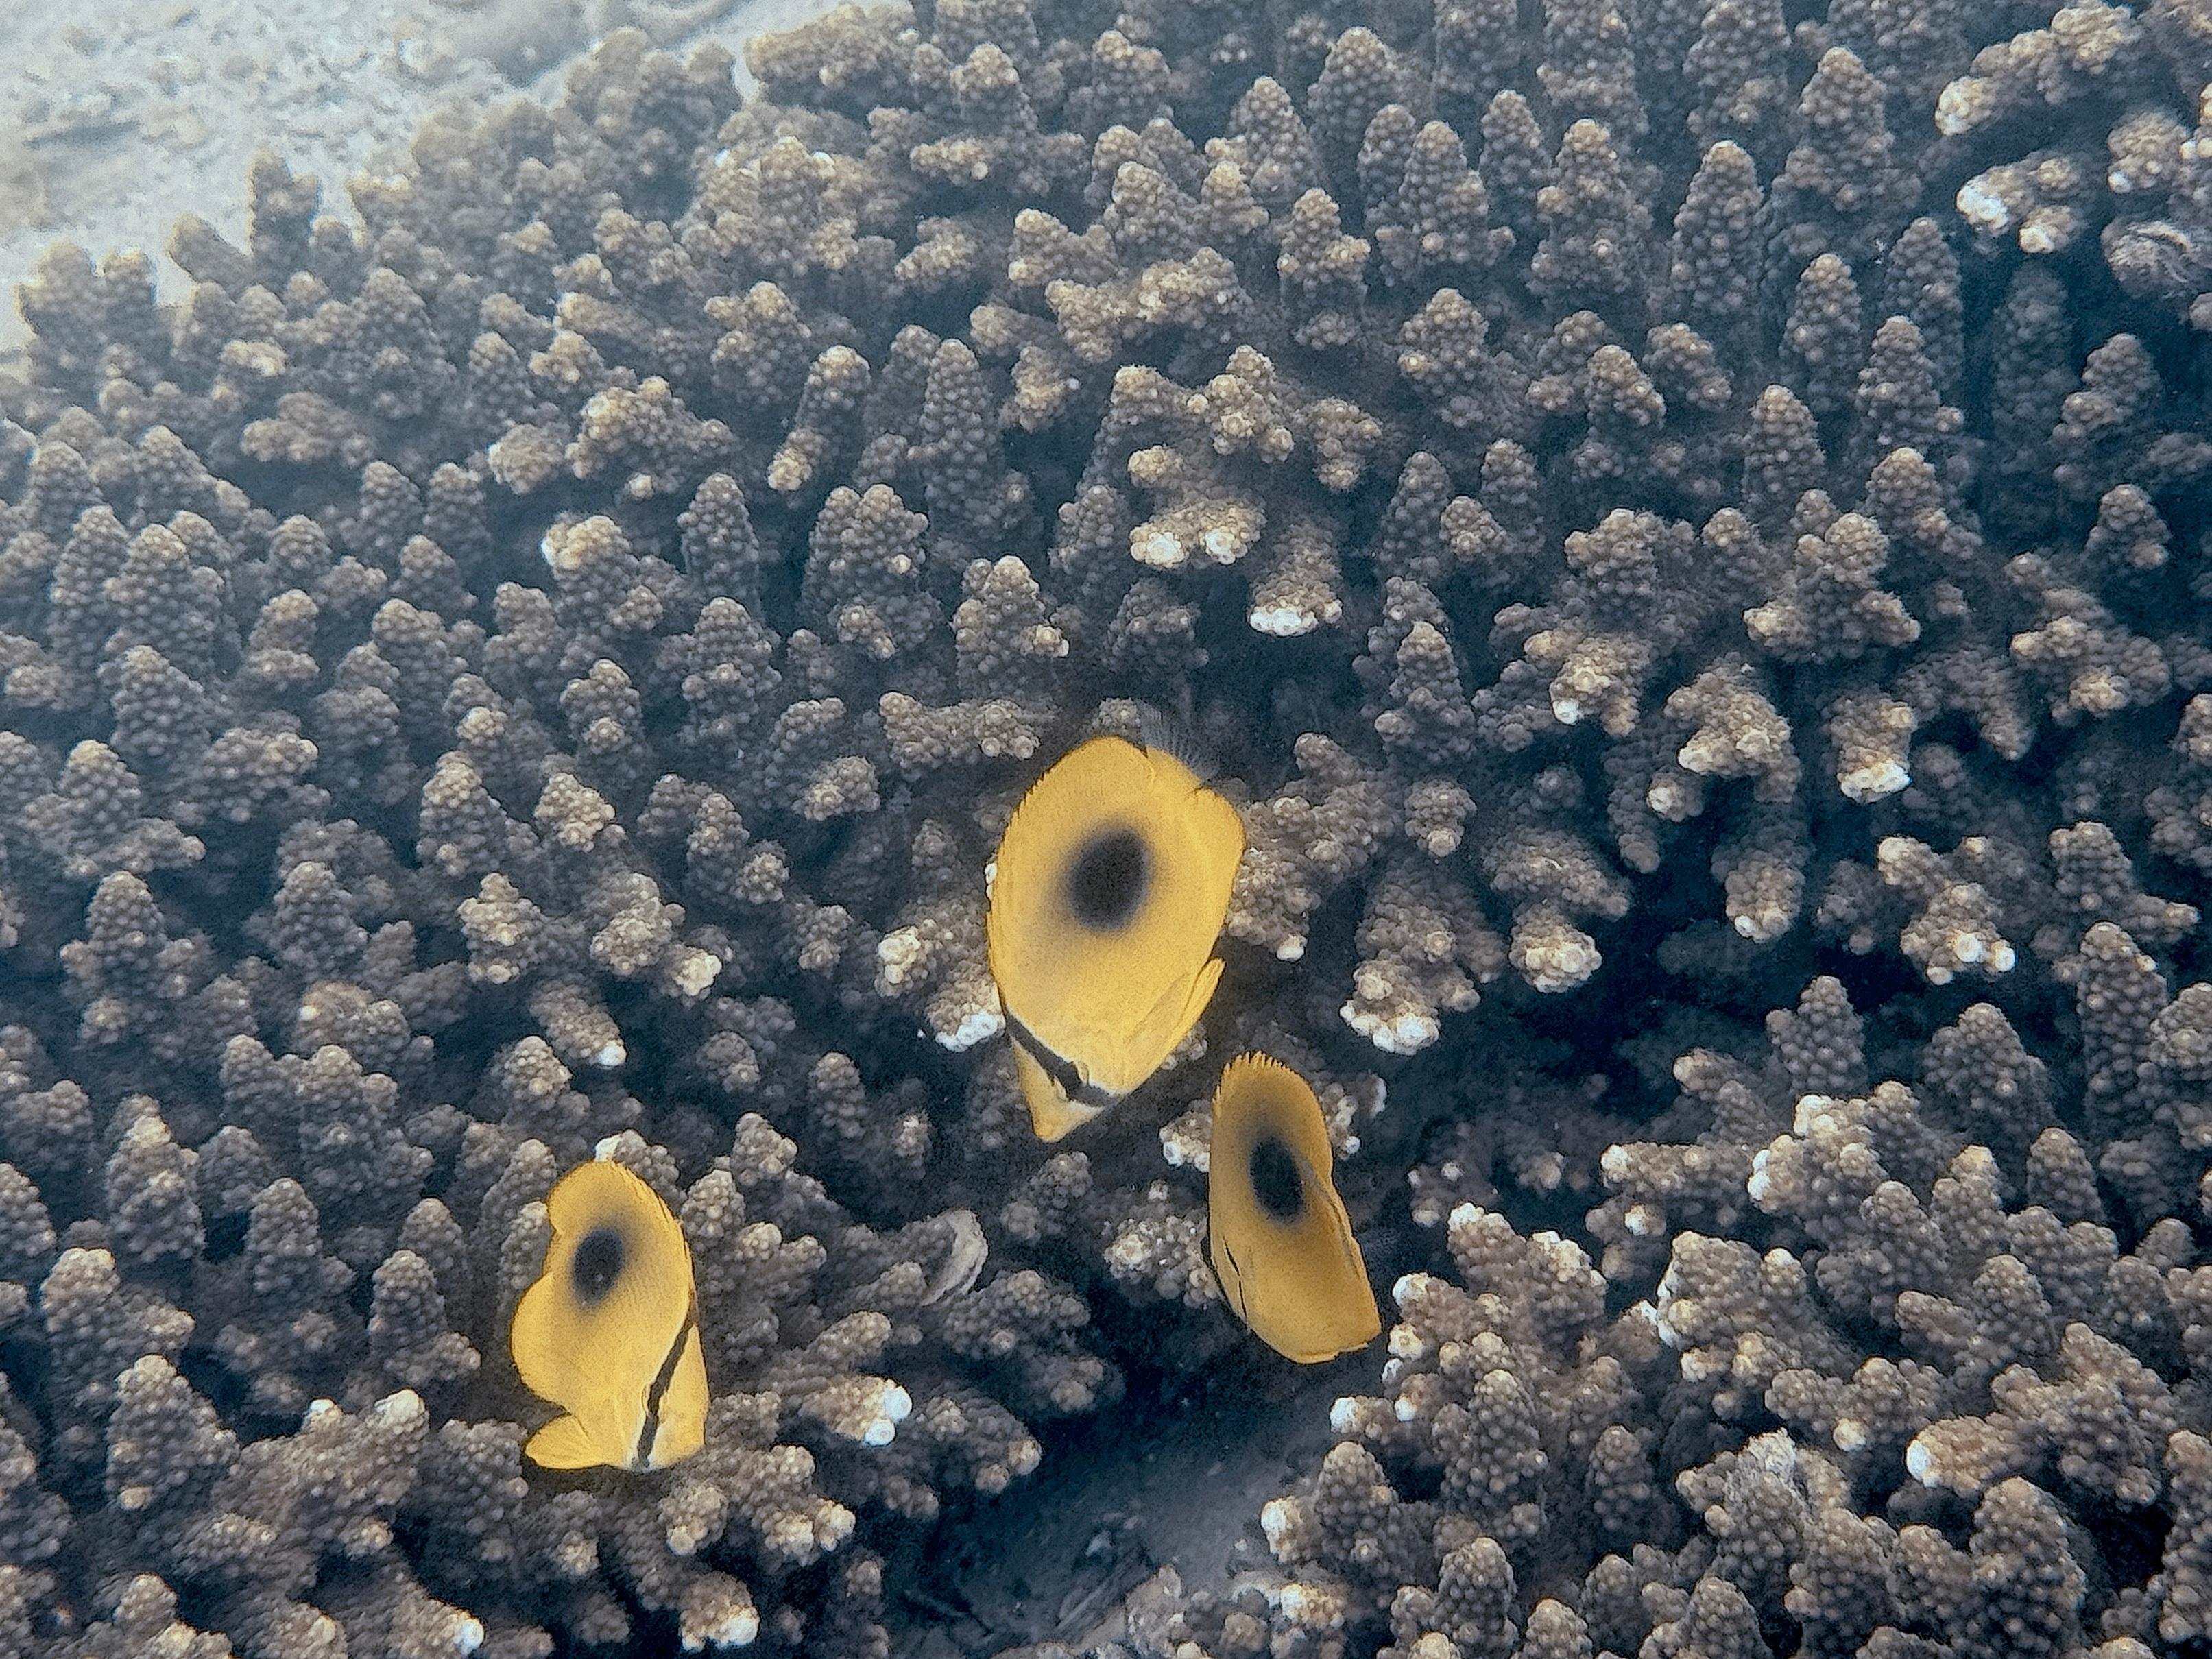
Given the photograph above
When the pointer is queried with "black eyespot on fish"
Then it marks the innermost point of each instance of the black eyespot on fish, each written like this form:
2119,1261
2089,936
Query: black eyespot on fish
599,1263
1106,884
1275,1181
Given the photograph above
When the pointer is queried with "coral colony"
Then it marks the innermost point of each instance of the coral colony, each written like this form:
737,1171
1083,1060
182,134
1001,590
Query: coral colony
1683,529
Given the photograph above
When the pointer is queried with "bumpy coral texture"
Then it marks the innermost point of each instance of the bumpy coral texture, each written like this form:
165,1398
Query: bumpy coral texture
1656,508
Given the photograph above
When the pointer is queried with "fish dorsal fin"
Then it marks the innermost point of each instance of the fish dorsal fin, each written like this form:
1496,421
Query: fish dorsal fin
1163,732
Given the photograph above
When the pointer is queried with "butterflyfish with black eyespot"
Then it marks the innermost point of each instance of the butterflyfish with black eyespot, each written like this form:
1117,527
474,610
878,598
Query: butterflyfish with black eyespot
1280,1242
1111,885
610,1331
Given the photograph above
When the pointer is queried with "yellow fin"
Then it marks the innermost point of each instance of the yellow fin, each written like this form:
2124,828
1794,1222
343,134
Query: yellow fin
1180,1014
1277,1232
1052,1114
595,1334
1113,882
565,1444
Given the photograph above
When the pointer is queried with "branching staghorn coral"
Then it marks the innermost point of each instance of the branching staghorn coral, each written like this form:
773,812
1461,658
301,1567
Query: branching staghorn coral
1647,505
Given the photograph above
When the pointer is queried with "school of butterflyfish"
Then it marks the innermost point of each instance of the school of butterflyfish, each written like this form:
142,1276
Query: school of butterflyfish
1107,894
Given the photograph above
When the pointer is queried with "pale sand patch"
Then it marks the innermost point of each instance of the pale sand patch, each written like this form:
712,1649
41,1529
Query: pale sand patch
118,115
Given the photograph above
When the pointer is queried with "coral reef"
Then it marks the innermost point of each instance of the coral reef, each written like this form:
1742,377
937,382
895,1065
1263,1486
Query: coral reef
1658,510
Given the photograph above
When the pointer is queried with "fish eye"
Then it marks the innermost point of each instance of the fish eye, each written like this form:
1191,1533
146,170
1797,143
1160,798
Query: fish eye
598,1264
1275,1180
1106,884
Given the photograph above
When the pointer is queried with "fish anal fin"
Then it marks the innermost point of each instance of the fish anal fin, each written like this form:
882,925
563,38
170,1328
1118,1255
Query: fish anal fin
565,1444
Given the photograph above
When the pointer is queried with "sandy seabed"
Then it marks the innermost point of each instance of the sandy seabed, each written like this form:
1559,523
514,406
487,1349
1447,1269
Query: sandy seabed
116,116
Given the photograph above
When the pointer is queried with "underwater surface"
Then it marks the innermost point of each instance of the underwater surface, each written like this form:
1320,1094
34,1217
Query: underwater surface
1171,831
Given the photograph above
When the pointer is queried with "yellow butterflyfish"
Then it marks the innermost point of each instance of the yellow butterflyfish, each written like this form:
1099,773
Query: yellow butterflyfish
610,1331
1112,883
1280,1242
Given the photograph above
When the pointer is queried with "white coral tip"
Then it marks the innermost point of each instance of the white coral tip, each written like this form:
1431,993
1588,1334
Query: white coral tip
1920,1462
1282,621
1869,783
974,1027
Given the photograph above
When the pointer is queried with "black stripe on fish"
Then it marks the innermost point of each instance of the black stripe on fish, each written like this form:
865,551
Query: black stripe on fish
656,1395
1061,1072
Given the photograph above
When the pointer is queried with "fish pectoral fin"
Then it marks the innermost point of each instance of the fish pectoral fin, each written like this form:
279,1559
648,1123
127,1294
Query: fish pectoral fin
1168,1022
565,1444
1233,1282
1329,1209
1359,1319
1348,1247
1202,986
